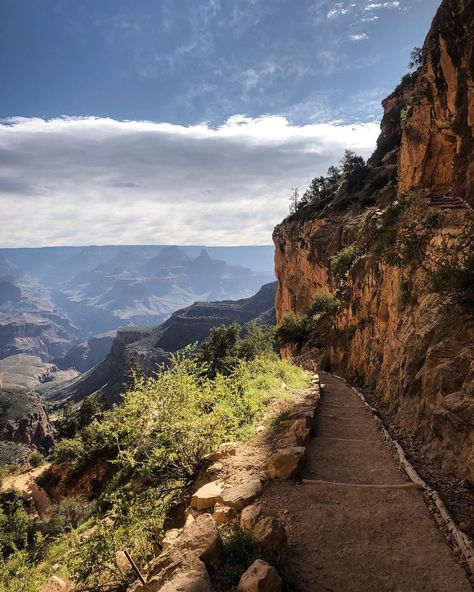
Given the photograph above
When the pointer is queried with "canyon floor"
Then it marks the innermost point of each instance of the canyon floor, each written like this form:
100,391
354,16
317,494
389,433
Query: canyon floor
355,523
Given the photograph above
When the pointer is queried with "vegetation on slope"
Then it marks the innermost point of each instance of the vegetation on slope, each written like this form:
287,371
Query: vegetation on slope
153,446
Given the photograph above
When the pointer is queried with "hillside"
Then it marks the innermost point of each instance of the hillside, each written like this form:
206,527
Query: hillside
150,347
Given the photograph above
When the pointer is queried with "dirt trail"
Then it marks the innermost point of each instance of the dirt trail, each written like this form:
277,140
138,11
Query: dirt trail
25,482
356,524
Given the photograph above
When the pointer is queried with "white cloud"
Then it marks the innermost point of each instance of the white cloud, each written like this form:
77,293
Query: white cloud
359,37
378,5
338,10
91,180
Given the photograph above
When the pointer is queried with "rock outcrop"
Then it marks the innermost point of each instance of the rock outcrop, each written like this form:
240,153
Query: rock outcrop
23,420
402,329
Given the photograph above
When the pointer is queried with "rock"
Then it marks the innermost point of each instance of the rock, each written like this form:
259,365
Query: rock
175,571
260,577
225,450
260,429
55,584
202,538
223,514
249,517
242,495
215,468
122,562
207,495
270,533
306,412
170,537
286,463
300,432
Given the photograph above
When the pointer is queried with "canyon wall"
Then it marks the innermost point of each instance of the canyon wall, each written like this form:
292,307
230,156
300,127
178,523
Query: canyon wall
394,332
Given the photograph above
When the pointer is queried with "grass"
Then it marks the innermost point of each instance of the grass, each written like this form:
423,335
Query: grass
155,442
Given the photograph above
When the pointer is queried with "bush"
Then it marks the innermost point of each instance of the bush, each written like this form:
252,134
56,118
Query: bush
293,328
240,550
225,347
342,262
324,303
69,454
36,459
66,515
16,527
455,279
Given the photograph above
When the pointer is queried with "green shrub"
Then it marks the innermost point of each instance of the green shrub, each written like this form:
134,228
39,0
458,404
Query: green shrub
66,515
36,459
18,573
16,527
293,328
154,442
324,303
69,454
240,550
342,261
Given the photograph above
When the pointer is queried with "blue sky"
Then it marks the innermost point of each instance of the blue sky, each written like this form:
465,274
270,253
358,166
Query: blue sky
245,99
187,61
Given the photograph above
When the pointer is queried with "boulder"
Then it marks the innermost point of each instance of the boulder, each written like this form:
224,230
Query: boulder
223,514
270,533
300,431
242,495
286,463
207,495
306,412
202,538
170,538
260,577
176,570
249,517
122,562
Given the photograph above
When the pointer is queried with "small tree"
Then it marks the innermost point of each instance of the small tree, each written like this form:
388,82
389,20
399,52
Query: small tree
416,58
66,424
220,352
294,200
134,375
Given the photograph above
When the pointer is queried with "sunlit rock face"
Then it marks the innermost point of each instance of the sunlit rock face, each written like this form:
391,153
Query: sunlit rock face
437,137
418,355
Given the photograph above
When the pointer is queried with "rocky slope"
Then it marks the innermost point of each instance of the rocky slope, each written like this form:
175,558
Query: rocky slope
150,347
404,326
31,324
87,354
24,421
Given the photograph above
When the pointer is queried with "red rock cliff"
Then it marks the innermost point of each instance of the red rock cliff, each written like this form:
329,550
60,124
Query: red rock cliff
394,332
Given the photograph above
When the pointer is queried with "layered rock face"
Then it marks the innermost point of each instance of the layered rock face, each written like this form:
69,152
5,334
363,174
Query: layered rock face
437,138
412,344
23,420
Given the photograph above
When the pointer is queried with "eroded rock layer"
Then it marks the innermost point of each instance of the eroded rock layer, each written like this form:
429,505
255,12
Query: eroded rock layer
397,330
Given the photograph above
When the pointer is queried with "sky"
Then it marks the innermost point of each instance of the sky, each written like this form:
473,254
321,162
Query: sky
185,121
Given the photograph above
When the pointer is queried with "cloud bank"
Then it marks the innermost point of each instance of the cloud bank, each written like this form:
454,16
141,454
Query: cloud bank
70,181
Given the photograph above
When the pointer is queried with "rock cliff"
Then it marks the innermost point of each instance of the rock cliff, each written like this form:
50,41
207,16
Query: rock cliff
404,326
23,420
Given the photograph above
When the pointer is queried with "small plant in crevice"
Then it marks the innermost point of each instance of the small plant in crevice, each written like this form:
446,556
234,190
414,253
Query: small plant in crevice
407,296
341,262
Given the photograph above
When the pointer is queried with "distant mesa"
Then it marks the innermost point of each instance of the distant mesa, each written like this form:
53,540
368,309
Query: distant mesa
9,292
